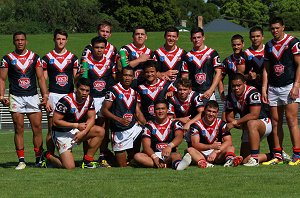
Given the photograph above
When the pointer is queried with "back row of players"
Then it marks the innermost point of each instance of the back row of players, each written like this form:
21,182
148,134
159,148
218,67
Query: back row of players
188,80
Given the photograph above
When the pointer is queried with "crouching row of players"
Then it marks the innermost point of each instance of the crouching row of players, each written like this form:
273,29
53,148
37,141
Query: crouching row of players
209,139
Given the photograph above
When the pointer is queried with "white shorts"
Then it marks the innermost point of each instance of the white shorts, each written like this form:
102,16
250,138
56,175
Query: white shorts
279,96
98,104
268,125
64,140
123,140
53,99
24,104
164,159
207,153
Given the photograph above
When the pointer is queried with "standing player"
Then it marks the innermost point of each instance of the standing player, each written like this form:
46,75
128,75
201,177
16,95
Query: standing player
121,107
281,81
203,62
104,30
254,58
245,100
153,89
137,53
23,69
60,66
211,142
102,74
161,139
235,63
73,123
170,57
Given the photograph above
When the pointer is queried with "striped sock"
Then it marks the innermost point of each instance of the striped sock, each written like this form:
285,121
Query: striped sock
278,153
229,155
254,154
87,159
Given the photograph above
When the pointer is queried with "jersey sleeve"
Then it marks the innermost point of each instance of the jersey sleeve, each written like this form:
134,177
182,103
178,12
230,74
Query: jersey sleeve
254,98
194,130
92,104
44,62
147,131
38,61
216,62
296,47
198,102
110,96
4,62
62,106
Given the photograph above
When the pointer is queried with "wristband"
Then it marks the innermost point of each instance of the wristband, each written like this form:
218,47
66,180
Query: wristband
171,144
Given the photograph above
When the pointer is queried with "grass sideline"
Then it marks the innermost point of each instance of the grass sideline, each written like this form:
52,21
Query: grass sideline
262,181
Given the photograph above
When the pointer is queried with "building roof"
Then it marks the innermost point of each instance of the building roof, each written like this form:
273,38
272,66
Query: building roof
223,25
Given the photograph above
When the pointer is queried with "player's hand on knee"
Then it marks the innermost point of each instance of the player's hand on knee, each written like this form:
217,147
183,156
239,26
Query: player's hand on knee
294,93
48,107
216,145
82,126
5,102
79,136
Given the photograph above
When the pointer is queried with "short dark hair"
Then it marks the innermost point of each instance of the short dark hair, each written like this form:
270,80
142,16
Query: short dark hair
137,28
276,20
195,30
256,29
98,39
161,101
83,81
150,63
185,82
238,76
236,37
171,29
213,104
127,68
104,23
18,33
61,32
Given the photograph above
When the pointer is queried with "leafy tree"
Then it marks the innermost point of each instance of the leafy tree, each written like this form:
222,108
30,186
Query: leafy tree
246,12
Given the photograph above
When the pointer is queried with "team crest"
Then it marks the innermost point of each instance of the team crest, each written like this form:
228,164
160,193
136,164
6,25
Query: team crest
162,58
151,109
128,116
133,53
72,110
153,131
200,78
91,66
279,69
14,62
121,96
145,91
51,61
250,57
99,85
62,80
191,58
24,82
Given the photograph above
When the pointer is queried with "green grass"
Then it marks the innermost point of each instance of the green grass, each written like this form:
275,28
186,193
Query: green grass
259,181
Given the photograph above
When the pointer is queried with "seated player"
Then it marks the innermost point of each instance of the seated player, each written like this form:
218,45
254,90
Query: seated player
120,106
73,123
211,142
153,89
160,141
254,122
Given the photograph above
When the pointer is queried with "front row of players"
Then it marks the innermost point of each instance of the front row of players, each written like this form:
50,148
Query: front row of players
210,140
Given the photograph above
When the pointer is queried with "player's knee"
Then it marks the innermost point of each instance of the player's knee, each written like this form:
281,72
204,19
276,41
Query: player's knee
252,124
138,157
190,150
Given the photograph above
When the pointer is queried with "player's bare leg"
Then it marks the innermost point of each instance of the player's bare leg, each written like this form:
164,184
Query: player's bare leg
277,130
18,120
36,125
121,158
67,160
144,160
197,157
291,111
94,138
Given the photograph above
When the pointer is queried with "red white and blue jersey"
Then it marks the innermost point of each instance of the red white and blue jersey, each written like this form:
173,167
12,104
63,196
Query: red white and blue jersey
254,60
110,52
171,60
185,108
72,110
60,71
201,66
100,74
209,133
230,67
124,103
149,93
22,72
280,55
133,53
242,104
162,134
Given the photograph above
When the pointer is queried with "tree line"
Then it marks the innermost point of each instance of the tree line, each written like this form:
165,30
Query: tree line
35,16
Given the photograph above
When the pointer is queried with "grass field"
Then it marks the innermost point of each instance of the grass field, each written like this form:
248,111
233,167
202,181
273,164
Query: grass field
262,181
259,181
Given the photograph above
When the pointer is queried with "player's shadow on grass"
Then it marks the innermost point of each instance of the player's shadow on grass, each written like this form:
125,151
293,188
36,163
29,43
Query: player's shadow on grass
14,164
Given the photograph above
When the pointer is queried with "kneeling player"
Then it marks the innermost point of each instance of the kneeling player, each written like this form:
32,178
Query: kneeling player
73,123
160,140
246,101
211,142
120,106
